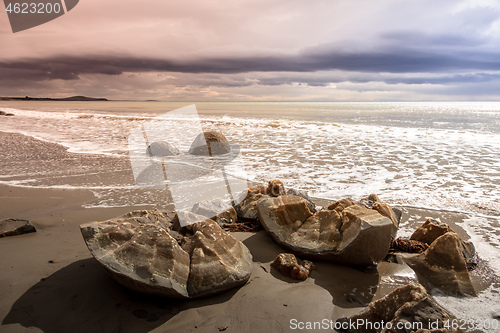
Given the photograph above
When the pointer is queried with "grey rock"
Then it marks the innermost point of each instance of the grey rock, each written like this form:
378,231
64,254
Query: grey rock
217,210
310,204
148,251
354,235
162,149
14,227
410,303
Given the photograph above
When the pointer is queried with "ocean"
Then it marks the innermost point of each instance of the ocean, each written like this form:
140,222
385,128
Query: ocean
443,156
436,155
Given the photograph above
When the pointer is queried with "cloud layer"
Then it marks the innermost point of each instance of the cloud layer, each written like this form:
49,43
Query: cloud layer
263,50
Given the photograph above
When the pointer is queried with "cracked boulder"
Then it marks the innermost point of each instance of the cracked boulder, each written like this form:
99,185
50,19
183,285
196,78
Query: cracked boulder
148,251
407,305
347,234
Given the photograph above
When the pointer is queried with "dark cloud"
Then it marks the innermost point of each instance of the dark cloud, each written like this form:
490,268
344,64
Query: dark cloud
395,61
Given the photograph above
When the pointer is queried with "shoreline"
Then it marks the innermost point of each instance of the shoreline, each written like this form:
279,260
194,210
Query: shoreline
73,293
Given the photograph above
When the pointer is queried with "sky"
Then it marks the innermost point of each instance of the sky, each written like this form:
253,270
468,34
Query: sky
256,50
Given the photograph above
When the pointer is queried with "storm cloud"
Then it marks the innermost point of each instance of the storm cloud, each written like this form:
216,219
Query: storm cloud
394,61
254,49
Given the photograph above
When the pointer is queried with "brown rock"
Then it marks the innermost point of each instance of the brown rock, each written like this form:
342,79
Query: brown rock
430,231
276,188
354,236
287,264
210,143
148,252
407,304
443,266
14,227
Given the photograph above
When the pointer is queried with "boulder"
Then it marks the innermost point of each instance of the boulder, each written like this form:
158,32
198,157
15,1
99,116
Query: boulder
407,304
217,210
287,264
148,251
210,143
355,235
14,227
443,266
433,229
162,149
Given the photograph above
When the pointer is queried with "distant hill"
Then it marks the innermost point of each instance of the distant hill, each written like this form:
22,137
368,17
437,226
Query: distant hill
71,99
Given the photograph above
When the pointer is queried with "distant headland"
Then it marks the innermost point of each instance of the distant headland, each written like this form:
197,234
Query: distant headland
70,99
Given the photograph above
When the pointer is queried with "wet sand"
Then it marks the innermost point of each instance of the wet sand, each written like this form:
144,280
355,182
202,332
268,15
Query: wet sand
51,283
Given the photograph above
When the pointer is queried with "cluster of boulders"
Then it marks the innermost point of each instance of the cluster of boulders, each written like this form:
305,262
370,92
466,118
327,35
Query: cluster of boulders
150,252
345,232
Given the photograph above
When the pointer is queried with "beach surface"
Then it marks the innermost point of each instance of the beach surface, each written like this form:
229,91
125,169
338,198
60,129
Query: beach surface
51,283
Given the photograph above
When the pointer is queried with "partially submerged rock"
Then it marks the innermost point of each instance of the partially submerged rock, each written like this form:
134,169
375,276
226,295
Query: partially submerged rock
410,304
162,149
14,227
443,266
148,251
210,143
352,235
287,264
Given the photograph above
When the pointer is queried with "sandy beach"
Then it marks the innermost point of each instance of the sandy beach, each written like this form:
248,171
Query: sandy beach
51,283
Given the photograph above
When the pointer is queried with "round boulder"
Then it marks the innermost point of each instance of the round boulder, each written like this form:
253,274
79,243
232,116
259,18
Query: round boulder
210,143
